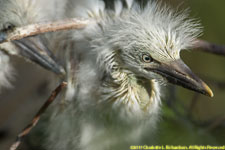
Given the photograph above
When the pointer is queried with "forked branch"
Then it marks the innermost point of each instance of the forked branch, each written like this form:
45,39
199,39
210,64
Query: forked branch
36,118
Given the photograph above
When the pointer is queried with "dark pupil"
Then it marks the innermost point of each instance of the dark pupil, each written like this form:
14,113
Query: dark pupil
8,27
147,58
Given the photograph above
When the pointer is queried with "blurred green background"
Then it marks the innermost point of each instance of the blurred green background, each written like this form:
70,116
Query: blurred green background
187,118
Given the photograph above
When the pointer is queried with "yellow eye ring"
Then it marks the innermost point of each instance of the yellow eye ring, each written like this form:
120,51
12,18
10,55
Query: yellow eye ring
146,58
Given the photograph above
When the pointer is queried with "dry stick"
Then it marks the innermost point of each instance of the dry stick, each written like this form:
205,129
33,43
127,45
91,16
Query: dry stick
37,116
39,28
206,46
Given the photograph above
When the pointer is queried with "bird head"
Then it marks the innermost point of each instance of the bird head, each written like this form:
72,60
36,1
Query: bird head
148,43
18,13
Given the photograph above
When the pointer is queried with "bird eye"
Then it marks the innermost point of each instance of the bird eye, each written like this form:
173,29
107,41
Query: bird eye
146,58
8,26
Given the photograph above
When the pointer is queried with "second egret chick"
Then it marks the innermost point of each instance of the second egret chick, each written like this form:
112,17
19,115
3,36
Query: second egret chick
17,13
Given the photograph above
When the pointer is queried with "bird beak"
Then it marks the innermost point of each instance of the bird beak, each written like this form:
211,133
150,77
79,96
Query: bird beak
177,72
33,49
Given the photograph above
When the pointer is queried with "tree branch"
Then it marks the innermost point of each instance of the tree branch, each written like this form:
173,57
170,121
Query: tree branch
39,28
36,118
206,46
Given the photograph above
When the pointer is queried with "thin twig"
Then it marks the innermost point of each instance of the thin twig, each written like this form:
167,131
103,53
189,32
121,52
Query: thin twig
216,123
206,46
39,28
193,104
36,118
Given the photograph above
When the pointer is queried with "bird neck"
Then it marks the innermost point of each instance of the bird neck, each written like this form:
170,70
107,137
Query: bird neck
123,88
